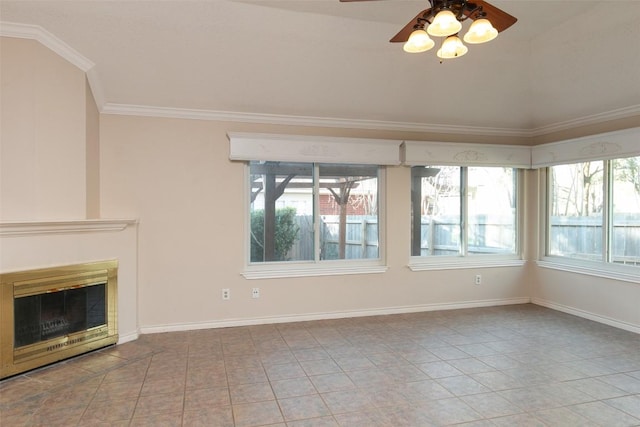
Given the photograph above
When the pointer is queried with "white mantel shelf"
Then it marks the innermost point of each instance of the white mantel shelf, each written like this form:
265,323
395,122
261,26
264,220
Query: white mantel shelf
26,228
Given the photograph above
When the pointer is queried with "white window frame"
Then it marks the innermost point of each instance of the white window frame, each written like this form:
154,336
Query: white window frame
602,268
316,267
318,150
463,260
604,146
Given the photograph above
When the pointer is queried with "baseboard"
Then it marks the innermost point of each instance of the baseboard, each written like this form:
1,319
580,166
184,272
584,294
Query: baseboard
587,315
226,323
128,337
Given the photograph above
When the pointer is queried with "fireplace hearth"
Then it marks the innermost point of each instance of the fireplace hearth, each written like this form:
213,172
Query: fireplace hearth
47,315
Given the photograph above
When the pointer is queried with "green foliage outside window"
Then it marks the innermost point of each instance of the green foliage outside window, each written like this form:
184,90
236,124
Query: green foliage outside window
286,233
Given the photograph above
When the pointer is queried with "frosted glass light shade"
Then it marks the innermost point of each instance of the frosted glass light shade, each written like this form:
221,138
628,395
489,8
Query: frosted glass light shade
419,41
444,24
452,48
481,31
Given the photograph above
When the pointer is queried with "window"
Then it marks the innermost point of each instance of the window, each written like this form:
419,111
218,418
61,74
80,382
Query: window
308,212
463,211
576,210
594,211
281,212
313,203
625,218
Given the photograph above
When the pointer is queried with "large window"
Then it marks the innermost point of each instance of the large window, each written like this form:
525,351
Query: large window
594,211
625,208
576,210
313,212
463,211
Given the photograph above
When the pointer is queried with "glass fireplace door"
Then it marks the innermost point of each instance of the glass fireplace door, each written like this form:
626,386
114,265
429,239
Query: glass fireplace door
55,314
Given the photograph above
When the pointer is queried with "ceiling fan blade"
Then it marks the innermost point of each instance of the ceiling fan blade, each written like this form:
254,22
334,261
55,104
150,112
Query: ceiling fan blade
500,19
405,32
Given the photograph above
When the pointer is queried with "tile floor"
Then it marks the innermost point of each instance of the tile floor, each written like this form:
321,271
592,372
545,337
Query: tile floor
520,365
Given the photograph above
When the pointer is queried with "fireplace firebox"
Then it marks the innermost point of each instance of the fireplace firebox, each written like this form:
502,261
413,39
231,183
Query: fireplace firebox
50,314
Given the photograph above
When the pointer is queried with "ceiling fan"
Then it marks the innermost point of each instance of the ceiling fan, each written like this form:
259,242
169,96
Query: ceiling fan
444,18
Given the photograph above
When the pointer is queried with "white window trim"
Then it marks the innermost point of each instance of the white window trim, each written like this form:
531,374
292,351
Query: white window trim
311,269
248,146
283,269
601,269
591,268
439,262
417,263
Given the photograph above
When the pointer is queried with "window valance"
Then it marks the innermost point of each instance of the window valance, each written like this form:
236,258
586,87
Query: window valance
604,146
292,148
312,149
464,154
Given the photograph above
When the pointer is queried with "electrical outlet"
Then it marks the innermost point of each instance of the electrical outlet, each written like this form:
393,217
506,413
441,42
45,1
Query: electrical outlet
255,293
226,294
478,279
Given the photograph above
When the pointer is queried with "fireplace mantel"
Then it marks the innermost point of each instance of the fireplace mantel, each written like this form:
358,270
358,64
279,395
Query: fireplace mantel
35,244
25,228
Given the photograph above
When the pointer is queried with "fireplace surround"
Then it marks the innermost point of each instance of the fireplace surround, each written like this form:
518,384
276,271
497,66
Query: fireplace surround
50,314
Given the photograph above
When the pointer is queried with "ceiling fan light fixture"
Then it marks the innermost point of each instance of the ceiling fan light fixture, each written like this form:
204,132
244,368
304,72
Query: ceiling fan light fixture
419,41
451,48
481,31
444,24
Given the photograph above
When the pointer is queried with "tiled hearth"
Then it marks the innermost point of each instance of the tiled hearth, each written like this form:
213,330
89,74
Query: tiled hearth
517,365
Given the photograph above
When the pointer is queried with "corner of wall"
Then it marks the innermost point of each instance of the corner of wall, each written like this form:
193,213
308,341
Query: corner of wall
92,155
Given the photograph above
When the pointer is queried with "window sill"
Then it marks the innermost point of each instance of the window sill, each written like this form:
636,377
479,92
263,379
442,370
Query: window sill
598,269
274,271
451,263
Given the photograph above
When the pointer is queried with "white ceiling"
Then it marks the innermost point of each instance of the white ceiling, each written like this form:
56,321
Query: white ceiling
562,61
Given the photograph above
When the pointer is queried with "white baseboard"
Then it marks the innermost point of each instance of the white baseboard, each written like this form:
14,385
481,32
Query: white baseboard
587,315
226,323
128,337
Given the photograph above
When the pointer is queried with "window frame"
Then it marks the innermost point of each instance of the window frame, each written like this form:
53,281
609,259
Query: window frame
464,260
315,267
603,268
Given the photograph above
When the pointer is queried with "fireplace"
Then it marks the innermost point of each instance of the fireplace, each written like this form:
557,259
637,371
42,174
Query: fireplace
50,314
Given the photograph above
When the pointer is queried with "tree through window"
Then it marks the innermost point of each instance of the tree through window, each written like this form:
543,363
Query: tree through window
460,211
594,211
313,212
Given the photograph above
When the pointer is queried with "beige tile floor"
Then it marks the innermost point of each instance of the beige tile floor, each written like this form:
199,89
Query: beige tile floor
519,365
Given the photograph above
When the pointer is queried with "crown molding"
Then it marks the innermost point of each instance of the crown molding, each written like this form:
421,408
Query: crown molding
56,45
332,122
36,32
280,119
620,113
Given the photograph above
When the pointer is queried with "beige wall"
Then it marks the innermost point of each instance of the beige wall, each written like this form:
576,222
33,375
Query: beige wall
42,136
175,176
605,300
93,155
